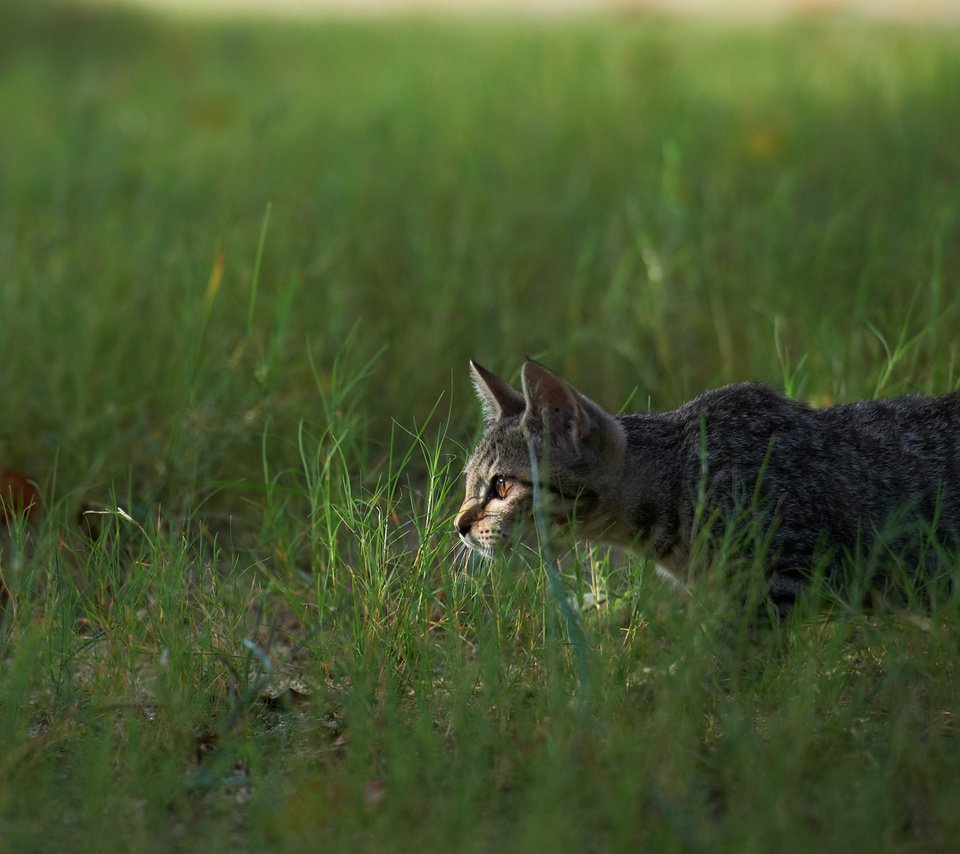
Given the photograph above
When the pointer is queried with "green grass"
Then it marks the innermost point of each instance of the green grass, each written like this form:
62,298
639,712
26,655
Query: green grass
269,643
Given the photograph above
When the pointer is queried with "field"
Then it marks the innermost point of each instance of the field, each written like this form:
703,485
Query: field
242,267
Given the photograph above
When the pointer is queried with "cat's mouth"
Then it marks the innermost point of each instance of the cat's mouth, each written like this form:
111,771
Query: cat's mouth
486,550
483,552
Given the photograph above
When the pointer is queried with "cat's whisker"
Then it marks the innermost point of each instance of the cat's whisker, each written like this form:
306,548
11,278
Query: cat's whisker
453,553
460,555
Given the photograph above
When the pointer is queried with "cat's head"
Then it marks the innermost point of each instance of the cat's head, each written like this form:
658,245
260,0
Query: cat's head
577,450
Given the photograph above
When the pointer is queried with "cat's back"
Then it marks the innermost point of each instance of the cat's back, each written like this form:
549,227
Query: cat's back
733,420
908,413
735,431
873,450
917,435
744,412
844,470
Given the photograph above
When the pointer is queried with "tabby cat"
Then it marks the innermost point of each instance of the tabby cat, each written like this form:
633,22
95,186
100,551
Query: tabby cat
868,478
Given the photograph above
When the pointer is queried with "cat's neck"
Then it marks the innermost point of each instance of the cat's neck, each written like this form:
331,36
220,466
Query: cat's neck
650,488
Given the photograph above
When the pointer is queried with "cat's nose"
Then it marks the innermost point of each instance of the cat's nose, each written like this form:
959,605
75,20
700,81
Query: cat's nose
465,518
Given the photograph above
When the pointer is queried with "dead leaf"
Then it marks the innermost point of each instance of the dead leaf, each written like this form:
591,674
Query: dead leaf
19,496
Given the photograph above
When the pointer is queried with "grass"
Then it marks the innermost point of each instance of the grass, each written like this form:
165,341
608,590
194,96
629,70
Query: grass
242,267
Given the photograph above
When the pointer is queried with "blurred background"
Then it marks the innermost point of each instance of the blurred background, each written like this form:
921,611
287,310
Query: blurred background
899,9
211,224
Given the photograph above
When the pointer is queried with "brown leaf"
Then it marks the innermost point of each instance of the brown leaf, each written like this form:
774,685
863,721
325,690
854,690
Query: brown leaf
19,495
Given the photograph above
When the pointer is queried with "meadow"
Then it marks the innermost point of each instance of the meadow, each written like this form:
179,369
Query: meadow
242,267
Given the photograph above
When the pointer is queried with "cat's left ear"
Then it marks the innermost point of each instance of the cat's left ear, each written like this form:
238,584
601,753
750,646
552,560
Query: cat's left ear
498,398
569,418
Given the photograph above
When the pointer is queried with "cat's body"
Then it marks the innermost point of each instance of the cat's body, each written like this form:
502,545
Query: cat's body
817,484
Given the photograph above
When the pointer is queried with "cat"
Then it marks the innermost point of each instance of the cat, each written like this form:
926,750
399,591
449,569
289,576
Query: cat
879,477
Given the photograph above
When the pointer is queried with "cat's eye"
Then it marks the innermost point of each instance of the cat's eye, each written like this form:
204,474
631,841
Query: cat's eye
500,486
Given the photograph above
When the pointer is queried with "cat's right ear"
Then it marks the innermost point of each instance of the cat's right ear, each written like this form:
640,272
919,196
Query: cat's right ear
498,398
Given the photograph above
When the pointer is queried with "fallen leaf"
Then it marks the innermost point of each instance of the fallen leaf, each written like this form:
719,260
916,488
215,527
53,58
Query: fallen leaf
19,496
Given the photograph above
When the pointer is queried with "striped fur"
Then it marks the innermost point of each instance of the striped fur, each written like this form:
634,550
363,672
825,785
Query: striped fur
876,478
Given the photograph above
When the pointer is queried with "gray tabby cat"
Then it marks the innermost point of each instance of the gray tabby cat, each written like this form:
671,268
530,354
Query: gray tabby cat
875,477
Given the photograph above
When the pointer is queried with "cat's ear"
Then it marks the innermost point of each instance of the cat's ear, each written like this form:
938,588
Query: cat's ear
498,398
552,407
568,417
